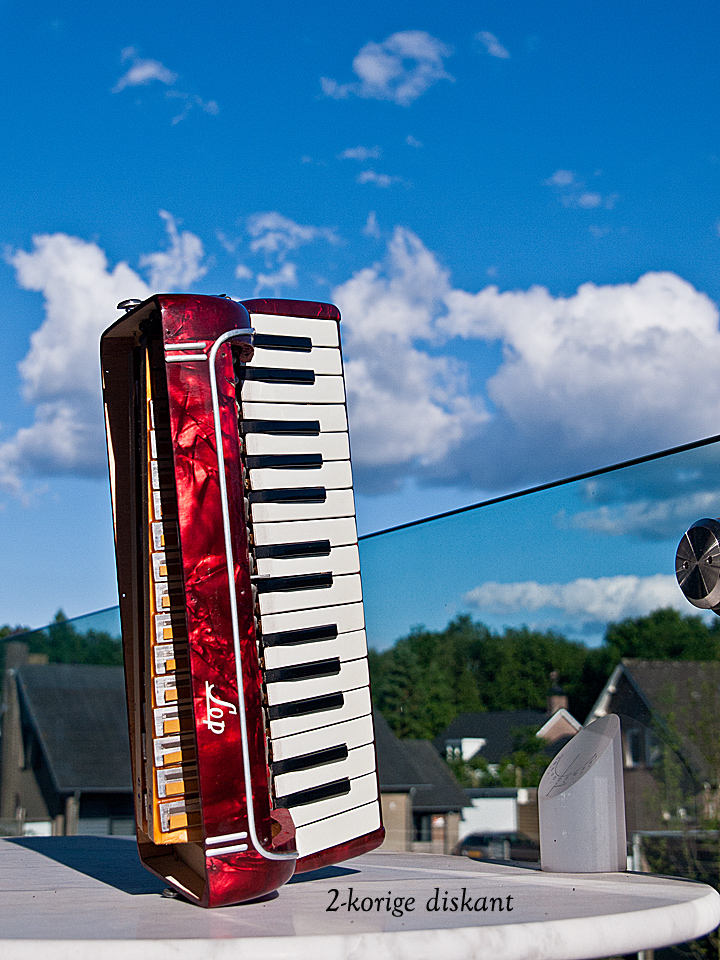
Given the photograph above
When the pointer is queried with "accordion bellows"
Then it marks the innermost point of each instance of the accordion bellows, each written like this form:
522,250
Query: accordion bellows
249,708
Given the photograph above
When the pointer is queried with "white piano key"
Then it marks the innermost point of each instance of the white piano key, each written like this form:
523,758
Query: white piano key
343,827
325,361
331,416
333,475
324,390
332,446
323,333
352,733
337,503
344,589
347,617
362,790
358,763
341,560
352,674
339,532
346,646
356,703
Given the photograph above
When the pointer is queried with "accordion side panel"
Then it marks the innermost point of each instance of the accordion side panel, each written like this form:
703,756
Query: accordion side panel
235,871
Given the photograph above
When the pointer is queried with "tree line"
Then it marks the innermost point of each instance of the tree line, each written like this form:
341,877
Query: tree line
429,677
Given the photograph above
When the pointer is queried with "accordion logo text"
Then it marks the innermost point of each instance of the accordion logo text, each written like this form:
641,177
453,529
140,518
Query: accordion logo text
251,729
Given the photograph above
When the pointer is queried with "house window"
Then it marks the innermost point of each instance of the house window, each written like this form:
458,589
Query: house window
422,827
642,748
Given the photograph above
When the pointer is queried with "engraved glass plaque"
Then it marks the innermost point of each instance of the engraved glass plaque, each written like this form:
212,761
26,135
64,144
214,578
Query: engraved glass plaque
582,804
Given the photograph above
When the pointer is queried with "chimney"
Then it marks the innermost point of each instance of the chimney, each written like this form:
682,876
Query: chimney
557,700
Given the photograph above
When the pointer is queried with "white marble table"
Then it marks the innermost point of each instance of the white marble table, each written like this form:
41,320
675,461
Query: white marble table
88,897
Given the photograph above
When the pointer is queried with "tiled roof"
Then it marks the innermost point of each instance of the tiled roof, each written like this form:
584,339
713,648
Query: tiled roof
498,729
79,715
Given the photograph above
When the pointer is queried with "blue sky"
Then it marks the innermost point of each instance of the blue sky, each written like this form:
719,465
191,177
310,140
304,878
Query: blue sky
516,207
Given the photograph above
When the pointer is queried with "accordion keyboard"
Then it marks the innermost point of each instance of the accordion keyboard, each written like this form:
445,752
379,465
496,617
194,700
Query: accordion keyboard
306,575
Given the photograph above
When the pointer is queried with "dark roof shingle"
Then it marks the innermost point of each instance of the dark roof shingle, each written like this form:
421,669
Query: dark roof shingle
80,717
498,728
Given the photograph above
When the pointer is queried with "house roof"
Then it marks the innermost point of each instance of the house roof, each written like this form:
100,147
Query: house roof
413,765
443,793
681,696
79,715
497,728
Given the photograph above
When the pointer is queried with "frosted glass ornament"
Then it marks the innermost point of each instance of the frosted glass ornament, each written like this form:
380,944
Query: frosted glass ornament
581,803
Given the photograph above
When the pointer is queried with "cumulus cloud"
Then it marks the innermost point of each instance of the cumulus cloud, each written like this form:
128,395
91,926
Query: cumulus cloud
399,69
601,600
180,266
492,45
412,141
286,276
142,72
360,153
594,378
61,371
407,408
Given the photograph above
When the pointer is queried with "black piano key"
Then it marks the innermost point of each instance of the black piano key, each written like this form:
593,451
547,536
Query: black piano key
301,581
286,551
337,788
282,428
309,760
276,375
306,635
289,495
300,708
284,461
304,671
274,341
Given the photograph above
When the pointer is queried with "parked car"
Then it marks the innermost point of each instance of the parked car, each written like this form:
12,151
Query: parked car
499,846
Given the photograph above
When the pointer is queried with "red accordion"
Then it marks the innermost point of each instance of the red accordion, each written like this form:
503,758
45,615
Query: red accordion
249,707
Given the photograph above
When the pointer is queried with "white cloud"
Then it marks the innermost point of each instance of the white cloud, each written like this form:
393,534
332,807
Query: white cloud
411,141
371,228
61,371
188,102
561,178
589,200
180,266
407,408
242,272
286,276
142,72
601,600
399,69
572,192
379,179
647,519
492,45
585,380
360,153
275,235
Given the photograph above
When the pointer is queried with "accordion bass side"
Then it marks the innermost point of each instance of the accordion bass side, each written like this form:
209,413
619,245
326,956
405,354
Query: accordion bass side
251,732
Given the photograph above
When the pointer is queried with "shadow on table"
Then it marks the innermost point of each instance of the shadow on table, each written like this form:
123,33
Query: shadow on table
112,860
322,873
115,861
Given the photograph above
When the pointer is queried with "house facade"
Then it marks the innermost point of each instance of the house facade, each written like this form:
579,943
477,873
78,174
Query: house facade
670,720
